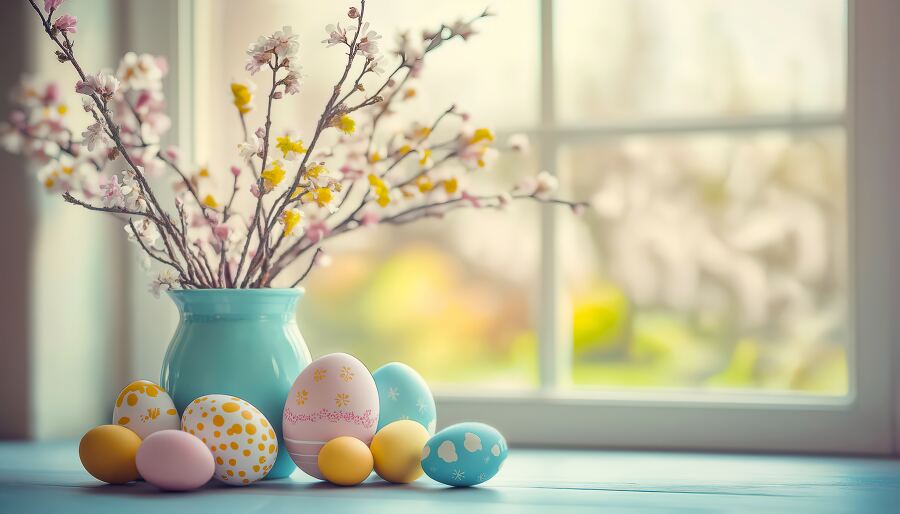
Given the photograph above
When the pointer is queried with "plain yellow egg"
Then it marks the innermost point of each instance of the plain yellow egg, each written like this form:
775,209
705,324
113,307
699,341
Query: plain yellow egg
397,450
108,453
345,460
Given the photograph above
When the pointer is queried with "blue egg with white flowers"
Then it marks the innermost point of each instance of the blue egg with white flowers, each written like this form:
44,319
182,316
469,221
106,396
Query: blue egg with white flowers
403,394
464,454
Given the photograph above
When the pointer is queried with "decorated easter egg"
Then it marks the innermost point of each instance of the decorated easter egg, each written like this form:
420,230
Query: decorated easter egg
345,460
108,453
334,396
241,439
397,450
403,394
174,460
464,454
143,407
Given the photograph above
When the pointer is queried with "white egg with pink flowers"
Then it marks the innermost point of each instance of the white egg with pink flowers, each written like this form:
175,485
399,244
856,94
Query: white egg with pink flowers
334,396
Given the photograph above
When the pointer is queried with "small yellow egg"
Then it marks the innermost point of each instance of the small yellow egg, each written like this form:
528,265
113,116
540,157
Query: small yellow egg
397,450
108,453
345,460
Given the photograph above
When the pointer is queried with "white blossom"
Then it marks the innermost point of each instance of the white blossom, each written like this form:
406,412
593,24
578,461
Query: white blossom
94,135
140,72
367,43
336,34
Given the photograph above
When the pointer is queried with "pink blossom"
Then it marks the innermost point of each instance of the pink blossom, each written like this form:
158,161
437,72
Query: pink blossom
353,13
254,190
221,231
471,199
66,23
143,100
111,192
256,62
317,230
282,44
369,219
198,220
17,117
102,84
462,29
52,5
351,172
51,94
163,64
94,135
291,83
336,35
171,153
368,41
235,171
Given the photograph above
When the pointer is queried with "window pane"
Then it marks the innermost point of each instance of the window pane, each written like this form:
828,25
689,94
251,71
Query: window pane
710,261
645,59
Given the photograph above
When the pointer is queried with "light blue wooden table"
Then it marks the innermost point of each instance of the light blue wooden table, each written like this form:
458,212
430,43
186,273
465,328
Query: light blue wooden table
47,478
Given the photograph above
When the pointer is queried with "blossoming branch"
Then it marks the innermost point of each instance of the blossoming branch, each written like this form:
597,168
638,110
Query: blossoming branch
349,173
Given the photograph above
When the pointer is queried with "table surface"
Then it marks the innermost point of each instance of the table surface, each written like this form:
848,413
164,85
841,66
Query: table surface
48,478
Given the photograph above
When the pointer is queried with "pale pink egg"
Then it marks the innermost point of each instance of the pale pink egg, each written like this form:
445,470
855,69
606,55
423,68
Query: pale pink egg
334,396
174,460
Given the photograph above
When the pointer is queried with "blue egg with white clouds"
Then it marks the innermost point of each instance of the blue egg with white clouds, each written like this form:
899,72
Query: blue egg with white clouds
464,454
403,394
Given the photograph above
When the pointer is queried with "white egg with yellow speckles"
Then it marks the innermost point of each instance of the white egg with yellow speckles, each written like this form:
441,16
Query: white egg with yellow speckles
144,407
241,439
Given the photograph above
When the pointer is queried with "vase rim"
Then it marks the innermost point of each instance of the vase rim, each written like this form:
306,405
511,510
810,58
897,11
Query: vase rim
267,291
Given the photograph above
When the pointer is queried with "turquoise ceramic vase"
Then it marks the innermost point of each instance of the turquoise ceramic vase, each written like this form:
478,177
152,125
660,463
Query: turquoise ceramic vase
240,342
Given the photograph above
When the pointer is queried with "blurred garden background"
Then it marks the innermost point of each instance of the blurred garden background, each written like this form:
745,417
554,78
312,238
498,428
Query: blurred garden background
708,136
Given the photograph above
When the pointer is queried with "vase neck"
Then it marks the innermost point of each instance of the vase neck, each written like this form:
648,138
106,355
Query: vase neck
237,304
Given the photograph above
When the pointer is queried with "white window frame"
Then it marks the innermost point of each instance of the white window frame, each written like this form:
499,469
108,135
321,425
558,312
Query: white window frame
862,422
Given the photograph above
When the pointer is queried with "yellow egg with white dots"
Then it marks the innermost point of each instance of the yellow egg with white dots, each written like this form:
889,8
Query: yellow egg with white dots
242,441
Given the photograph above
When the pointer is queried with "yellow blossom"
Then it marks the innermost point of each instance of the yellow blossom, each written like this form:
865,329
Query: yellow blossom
242,97
382,194
322,196
409,93
50,181
346,124
405,149
423,132
68,170
375,157
426,158
316,170
274,175
290,218
424,184
204,172
62,109
287,146
451,185
210,201
481,134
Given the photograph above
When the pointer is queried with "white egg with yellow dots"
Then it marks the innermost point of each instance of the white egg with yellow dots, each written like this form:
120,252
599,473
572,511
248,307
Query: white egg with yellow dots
144,407
240,438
